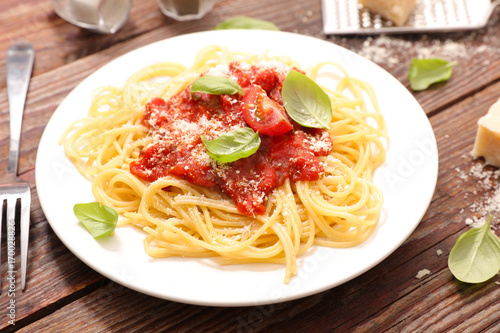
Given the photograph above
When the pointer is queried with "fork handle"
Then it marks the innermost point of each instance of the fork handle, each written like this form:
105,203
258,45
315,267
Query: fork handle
20,57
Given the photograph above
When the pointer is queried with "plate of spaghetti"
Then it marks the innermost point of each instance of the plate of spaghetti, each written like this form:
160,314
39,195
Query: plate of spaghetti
247,167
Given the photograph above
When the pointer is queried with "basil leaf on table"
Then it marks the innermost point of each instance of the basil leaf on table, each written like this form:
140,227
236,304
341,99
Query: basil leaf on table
243,22
98,219
305,101
233,145
475,257
215,85
424,72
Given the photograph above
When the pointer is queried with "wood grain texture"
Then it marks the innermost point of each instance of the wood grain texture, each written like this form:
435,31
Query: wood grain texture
64,295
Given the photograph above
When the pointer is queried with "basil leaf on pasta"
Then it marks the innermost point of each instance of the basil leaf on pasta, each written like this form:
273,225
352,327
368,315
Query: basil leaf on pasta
243,22
305,101
232,146
215,85
98,219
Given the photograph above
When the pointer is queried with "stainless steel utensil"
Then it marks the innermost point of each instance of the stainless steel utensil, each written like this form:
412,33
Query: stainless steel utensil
13,190
346,17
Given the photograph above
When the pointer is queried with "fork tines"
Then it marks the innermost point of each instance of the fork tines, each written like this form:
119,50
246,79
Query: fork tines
16,195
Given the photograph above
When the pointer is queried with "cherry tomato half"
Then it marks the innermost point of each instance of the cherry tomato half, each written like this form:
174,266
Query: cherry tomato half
264,114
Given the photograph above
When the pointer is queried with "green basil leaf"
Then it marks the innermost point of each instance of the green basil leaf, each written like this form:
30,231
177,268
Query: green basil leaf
424,72
98,219
305,101
475,257
233,145
242,22
215,85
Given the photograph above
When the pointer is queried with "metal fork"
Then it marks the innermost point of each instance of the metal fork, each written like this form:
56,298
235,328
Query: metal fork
14,191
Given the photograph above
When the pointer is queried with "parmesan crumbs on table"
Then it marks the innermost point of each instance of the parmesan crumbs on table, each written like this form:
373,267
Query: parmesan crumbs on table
423,272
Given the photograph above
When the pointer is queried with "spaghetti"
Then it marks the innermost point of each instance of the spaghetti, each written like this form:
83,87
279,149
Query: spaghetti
339,209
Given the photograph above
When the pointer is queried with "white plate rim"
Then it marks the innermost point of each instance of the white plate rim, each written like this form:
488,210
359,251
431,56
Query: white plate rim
409,171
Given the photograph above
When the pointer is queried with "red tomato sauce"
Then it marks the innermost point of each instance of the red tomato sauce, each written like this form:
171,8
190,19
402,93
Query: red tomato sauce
177,124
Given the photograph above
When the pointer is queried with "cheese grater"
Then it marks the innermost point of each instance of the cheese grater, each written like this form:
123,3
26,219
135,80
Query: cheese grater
347,17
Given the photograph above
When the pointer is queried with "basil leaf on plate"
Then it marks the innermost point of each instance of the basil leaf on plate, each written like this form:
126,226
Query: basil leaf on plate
243,22
305,101
475,257
98,219
424,72
215,85
233,145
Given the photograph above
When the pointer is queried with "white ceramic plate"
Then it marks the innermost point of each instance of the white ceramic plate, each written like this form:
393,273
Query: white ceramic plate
407,178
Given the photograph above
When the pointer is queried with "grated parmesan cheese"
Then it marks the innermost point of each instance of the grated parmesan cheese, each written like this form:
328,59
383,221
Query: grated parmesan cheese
488,182
320,145
221,70
275,65
388,50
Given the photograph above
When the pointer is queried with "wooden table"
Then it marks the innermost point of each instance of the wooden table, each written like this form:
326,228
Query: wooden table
63,294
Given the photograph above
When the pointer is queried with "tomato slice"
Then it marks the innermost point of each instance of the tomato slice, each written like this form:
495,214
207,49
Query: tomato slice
264,114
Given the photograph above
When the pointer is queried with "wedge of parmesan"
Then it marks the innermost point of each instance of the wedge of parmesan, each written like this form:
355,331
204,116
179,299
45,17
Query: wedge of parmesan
487,143
396,11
